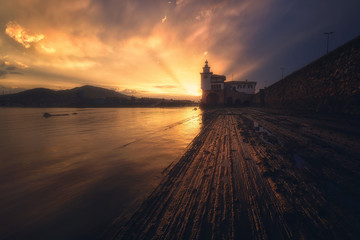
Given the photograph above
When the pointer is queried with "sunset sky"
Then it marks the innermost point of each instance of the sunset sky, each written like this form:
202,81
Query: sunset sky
158,47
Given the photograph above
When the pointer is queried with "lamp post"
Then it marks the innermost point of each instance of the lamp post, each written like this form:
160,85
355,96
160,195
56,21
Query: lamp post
327,40
282,72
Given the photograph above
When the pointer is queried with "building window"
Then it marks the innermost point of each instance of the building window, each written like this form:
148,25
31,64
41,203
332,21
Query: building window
216,87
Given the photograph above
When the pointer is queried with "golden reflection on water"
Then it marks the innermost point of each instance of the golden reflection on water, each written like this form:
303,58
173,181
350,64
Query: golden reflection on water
71,176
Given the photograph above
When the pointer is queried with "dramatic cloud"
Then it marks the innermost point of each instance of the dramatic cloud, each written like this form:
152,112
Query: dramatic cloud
145,45
21,35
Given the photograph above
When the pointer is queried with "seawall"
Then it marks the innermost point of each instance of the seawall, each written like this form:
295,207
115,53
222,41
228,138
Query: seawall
330,84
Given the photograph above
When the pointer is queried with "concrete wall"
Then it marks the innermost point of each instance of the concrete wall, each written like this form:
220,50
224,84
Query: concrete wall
329,84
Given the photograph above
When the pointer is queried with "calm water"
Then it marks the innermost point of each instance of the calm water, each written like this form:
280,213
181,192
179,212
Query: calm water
69,177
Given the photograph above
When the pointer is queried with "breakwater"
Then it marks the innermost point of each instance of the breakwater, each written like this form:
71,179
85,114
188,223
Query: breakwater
330,84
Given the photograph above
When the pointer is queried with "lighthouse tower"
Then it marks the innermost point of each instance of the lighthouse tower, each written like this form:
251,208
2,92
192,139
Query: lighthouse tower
206,77
212,87
216,92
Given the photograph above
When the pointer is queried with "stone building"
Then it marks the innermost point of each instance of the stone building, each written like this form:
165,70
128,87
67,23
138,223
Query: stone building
216,92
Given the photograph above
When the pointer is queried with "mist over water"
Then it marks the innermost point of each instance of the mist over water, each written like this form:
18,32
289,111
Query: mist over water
69,177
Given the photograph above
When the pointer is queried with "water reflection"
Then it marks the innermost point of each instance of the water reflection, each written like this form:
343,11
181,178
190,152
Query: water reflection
69,177
209,115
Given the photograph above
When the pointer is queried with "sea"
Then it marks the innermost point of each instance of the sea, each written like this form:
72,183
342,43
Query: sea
74,175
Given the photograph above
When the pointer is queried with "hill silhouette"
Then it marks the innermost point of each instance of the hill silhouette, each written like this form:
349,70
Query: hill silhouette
79,96
85,96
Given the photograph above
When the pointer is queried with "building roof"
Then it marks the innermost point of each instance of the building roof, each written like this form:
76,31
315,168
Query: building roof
218,76
240,82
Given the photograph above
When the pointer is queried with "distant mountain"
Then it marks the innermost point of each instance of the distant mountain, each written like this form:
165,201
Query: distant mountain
91,92
85,96
79,96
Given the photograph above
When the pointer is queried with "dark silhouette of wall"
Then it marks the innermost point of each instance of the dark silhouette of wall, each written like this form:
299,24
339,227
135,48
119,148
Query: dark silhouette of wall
330,84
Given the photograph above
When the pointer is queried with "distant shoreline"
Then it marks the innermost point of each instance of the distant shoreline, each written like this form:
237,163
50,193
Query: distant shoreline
85,97
62,107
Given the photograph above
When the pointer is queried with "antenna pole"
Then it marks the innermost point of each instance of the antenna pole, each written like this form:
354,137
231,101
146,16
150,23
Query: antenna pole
282,72
327,40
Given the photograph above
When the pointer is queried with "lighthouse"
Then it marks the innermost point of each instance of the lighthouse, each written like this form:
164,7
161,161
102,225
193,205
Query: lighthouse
218,93
205,77
212,87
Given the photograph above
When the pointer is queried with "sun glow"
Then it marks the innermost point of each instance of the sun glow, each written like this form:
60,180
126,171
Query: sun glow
160,58
193,90
150,54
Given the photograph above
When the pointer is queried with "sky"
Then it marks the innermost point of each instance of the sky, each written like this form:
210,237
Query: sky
157,48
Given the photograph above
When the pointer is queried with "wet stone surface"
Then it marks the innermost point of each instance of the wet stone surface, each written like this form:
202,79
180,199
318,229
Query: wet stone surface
256,174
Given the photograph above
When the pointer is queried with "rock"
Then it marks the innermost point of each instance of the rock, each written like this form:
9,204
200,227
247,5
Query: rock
47,115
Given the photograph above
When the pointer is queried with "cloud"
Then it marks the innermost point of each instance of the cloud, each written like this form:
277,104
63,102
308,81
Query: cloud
204,14
10,67
179,2
74,63
18,64
48,49
163,19
17,73
108,42
129,91
165,86
21,35
3,73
